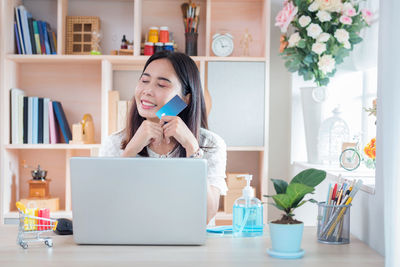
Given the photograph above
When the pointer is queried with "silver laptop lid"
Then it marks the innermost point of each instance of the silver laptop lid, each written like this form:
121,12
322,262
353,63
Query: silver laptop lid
139,200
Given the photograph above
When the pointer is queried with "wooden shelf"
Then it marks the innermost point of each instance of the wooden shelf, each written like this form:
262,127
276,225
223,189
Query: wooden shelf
113,59
53,146
82,82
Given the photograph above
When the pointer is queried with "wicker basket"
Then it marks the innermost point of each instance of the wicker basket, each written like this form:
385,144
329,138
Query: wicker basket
79,34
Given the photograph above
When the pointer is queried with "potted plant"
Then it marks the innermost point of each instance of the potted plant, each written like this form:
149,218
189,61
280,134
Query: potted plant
286,233
316,37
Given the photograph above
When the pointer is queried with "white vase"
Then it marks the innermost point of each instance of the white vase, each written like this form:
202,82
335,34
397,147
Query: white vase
312,99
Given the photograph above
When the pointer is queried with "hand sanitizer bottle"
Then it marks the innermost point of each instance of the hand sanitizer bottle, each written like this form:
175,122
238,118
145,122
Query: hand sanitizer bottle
247,213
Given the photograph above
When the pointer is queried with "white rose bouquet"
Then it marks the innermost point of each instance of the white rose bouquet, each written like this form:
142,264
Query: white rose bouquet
324,32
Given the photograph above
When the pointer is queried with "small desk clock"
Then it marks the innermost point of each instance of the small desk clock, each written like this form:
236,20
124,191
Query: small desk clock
222,44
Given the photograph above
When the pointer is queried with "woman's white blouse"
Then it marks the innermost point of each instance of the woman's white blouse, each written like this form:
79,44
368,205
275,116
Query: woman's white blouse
214,151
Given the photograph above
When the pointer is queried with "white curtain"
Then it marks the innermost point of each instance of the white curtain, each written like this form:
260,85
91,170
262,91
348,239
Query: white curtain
388,127
365,54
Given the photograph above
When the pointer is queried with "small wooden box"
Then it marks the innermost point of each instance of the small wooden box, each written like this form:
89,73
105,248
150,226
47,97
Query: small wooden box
79,34
235,182
122,52
39,188
230,198
53,204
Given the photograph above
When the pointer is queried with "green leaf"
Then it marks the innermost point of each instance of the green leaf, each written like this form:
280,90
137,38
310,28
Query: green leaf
282,200
302,43
280,186
301,203
309,177
276,206
296,193
313,201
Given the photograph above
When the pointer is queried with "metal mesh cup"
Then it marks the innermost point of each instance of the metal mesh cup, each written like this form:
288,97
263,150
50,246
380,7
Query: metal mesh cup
333,223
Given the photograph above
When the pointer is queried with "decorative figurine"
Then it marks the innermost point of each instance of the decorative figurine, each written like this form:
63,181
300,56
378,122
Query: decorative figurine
96,38
83,132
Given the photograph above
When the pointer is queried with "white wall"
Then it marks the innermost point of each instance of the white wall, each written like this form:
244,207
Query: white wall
280,109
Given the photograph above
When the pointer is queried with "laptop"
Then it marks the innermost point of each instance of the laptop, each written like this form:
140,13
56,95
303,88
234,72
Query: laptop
139,201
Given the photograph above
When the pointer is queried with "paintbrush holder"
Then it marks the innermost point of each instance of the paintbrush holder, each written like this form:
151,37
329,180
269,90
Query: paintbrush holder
333,224
191,43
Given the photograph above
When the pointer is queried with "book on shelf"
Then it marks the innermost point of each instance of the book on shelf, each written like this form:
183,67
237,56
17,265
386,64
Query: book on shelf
25,119
36,120
25,29
17,123
37,37
113,98
41,37
51,41
46,38
19,27
53,126
31,33
46,128
55,41
17,42
33,36
30,119
40,121
62,121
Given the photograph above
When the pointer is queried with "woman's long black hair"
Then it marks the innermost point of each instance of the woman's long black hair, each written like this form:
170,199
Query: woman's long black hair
194,115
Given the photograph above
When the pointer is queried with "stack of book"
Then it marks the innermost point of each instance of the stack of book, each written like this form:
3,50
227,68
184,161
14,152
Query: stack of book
37,120
33,36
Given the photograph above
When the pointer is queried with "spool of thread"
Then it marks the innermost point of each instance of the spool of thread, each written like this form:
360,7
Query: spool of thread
164,35
153,34
158,47
169,46
148,49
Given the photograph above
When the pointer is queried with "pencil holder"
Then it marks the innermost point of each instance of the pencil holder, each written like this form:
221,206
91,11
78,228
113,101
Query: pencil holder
191,43
333,223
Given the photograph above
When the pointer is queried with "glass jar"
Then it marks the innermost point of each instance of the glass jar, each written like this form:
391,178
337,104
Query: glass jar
332,133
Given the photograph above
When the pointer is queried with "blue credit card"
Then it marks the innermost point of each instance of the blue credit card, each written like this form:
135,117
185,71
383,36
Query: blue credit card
172,108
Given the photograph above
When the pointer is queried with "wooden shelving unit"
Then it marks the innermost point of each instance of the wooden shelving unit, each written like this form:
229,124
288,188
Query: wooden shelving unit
82,83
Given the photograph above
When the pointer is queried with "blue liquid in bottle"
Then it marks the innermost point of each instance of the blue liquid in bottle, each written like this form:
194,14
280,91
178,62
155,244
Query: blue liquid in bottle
247,217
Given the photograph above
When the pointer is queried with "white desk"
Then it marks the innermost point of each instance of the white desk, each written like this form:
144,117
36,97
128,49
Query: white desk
218,251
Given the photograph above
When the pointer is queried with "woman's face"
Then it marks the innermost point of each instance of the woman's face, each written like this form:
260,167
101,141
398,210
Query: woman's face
157,85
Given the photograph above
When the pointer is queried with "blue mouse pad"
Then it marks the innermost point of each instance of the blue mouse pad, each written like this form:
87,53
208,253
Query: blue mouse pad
172,108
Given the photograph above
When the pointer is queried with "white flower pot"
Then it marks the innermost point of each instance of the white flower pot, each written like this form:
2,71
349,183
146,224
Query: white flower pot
312,99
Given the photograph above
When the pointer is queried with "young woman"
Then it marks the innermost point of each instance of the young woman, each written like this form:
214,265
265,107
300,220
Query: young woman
165,75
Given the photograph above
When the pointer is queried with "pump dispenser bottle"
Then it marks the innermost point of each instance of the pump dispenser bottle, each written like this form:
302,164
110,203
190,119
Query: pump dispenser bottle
247,213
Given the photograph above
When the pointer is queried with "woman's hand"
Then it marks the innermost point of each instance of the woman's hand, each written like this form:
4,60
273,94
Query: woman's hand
148,132
176,128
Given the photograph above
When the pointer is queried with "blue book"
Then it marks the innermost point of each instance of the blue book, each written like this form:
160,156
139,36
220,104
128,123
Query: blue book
46,38
25,29
35,122
17,42
62,121
20,31
41,37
